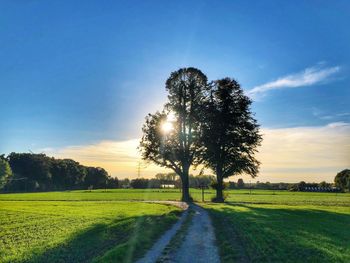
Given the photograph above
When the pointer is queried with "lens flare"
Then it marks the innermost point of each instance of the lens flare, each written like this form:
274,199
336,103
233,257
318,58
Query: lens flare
167,127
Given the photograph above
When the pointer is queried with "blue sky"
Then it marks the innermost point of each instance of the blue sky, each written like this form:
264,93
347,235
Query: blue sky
85,72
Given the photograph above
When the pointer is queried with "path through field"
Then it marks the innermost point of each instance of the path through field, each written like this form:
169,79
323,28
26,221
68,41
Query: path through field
197,245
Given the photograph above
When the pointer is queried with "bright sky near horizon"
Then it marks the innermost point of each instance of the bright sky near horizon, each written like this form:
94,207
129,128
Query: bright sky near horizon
78,78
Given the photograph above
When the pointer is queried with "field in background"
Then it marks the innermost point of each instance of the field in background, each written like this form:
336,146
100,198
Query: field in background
78,231
261,226
238,196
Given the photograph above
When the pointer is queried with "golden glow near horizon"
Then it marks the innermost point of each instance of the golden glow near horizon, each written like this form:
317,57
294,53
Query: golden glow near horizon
311,154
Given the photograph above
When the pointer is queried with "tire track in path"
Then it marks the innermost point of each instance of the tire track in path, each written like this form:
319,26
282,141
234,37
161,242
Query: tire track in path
199,243
197,246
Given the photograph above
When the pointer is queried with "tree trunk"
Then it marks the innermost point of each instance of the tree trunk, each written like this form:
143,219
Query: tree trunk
219,190
185,187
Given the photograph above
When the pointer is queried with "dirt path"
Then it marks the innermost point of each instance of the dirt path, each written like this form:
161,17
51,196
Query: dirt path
157,249
197,246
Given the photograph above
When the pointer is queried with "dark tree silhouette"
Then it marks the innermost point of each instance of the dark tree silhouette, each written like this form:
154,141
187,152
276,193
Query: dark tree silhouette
342,180
34,167
179,147
230,133
240,183
38,172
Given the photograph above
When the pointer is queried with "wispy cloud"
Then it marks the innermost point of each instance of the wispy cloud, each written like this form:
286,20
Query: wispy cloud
308,77
311,154
334,117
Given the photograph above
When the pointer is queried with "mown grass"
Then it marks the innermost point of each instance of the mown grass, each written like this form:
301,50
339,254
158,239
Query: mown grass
235,196
56,231
105,226
281,233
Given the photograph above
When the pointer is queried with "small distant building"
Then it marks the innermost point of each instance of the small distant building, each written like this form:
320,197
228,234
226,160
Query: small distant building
167,186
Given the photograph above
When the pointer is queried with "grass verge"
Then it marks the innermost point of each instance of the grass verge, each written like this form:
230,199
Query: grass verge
50,231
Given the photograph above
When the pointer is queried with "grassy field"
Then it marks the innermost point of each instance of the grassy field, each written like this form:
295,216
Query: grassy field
233,196
56,231
261,226
282,233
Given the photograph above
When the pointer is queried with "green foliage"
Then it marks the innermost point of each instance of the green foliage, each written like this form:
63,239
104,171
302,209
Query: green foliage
5,172
201,181
230,133
38,172
166,178
54,231
140,183
170,178
214,184
342,180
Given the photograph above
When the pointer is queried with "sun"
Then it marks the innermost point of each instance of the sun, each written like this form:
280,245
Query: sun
167,127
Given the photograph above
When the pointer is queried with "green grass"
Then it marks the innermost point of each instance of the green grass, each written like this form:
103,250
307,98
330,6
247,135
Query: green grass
109,226
288,198
235,196
281,233
97,195
81,231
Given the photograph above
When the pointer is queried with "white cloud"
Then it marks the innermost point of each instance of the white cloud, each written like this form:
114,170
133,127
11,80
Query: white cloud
308,77
305,153
338,125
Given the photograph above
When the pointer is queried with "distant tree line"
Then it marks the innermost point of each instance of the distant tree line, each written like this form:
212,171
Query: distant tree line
26,172
301,186
167,180
22,172
163,180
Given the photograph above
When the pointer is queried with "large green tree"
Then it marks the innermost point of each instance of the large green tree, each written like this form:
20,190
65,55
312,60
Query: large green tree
230,133
171,137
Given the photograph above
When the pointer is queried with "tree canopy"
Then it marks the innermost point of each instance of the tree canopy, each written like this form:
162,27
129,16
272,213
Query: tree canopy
38,172
230,133
171,137
342,180
202,123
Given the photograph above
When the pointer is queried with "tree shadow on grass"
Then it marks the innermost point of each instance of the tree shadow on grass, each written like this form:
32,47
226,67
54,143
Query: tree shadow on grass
122,240
291,234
